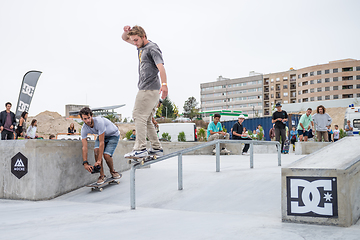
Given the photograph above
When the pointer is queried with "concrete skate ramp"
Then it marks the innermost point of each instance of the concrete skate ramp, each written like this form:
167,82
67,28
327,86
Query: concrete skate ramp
324,187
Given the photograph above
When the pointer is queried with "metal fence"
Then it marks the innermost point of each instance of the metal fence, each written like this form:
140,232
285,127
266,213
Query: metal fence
181,152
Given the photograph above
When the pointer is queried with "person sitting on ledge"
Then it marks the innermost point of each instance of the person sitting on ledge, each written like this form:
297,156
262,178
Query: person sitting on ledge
215,131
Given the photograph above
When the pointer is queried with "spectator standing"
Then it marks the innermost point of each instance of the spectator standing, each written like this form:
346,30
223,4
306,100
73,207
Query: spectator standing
21,128
280,118
321,121
238,133
304,125
7,123
215,131
330,132
71,129
336,133
349,128
31,131
272,133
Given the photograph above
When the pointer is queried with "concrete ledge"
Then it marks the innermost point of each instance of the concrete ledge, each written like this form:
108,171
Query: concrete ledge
304,148
323,187
55,166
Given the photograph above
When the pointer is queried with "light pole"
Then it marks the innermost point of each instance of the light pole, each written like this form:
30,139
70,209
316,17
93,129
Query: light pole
166,111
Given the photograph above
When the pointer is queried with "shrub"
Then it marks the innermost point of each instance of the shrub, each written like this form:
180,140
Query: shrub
342,133
260,135
202,135
181,137
166,136
128,134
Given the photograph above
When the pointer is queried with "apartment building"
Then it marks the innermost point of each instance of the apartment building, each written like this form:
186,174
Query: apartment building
334,80
278,87
244,94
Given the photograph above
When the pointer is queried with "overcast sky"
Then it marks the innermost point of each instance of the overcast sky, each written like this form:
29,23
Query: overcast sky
77,45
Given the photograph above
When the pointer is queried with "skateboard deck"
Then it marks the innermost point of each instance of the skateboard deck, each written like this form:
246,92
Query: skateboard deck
108,181
141,160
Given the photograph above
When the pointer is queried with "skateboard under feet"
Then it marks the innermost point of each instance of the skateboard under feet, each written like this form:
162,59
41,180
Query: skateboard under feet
141,160
99,187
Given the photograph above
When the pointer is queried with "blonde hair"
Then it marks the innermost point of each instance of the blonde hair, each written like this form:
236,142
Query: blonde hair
137,30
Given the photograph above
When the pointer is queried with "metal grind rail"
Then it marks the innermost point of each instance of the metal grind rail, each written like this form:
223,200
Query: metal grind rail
191,149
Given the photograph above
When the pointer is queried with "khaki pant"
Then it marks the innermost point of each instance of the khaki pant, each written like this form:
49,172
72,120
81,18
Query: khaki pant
144,109
320,134
215,136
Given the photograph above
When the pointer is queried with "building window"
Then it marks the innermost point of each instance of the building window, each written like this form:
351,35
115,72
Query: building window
357,77
299,93
318,72
336,97
347,87
312,99
305,83
358,68
285,78
299,76
272,87
286,101
327,88
327,71
272,80
304,75
305,99
272,95
319,98
335,79
299,84
327,79
305,91
358,95
357,85
327,97
299,100
312,81
335,70
312,90
285,86
319,81
319,89
336,87
311,73
278,79
285,94
347,78
347,69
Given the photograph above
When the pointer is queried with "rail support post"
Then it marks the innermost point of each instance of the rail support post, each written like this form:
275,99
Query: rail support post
180,172
251,155
279,153
132,188
218,157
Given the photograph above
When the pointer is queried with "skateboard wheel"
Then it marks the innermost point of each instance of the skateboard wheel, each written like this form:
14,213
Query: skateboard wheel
142,162
129,161
100,189
154,157
117,182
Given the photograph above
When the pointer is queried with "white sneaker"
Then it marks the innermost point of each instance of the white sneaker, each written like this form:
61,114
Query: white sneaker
245,153
214,150
137,154
157,152
225,151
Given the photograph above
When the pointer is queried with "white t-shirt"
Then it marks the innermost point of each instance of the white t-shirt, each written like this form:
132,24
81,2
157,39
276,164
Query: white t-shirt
101,125
336,134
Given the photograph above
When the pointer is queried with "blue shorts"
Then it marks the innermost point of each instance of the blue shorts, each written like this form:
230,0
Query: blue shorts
302,132
110,144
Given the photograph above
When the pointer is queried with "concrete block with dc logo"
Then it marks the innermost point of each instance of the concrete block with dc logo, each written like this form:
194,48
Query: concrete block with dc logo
323,187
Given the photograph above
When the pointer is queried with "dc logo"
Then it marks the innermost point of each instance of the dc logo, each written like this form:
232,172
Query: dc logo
312,196
23,106
28,90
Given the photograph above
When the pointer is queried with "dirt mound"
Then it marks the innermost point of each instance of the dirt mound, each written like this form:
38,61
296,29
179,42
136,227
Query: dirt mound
53,123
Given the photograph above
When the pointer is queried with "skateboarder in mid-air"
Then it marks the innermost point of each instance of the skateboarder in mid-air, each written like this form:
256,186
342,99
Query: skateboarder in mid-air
150,65
105,143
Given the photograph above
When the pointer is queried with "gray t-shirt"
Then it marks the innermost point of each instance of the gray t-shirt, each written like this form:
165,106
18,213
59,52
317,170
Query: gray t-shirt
101,125
350,132
149,56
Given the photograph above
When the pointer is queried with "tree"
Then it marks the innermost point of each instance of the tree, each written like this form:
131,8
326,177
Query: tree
190,109
125,120
176,110
112,117
167,109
